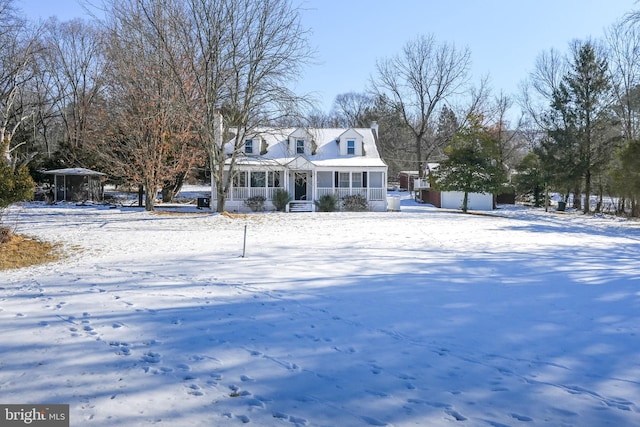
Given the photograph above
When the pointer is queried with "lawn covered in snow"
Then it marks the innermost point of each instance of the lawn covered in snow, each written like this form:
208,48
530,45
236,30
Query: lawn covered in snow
419,317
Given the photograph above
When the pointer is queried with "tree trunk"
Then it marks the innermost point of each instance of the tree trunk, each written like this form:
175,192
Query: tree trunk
587,191
172,187
150,199
577,198
140,195
465,202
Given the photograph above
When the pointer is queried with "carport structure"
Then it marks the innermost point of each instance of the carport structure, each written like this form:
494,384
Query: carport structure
77,185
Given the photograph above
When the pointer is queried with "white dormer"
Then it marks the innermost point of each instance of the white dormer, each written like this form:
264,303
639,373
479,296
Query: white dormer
350,143
254,145
301,143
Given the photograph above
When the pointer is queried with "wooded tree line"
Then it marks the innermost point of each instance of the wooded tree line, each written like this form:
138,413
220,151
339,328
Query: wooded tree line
136,93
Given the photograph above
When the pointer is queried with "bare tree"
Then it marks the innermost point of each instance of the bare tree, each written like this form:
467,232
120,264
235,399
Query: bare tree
245,53
417,81
537,91
511,145
18,50
149,134
623,42
351,109
73,69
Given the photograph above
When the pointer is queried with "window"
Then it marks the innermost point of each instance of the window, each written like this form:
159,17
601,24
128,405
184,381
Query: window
240,180
375,179
343,179
300,146
248,146
356,180
258,179
351,146
273,179
325,180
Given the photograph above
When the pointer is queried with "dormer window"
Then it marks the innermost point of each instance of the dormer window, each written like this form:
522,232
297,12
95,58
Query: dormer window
351,143
299,146
248,146
351,147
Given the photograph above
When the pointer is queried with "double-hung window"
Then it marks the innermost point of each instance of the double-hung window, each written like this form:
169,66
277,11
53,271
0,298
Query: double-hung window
343,180
248,146
258,179
240,179
351,146
300,146
356,179
273,179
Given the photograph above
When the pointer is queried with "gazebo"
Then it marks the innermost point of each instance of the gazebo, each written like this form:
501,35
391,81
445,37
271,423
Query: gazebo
77,185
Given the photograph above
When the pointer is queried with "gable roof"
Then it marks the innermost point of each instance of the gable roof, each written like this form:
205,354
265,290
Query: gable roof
327,150
75,171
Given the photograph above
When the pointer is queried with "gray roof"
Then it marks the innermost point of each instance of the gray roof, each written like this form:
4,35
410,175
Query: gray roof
74,171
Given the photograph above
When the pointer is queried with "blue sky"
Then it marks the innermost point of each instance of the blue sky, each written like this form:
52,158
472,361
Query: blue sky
504,36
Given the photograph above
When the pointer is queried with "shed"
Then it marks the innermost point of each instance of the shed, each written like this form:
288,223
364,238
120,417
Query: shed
77,185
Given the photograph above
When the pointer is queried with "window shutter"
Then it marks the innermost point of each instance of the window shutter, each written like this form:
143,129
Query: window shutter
364,179
336,179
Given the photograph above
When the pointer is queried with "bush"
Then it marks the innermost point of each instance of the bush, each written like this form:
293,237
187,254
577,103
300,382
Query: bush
15,186
255,203
327,203
355,203
280,199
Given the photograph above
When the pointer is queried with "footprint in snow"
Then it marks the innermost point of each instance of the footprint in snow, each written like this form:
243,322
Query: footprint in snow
375,369
294,420
456,415
122,348
194,390
521,417
244,419
373,421
151,357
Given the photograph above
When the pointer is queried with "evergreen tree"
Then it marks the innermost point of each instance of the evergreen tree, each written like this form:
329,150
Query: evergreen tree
471,165
15,185
530,179
579,144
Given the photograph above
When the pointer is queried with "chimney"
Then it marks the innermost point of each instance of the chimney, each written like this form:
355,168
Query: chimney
218,127
374,128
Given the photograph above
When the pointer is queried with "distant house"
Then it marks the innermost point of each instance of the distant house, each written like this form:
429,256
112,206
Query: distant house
77,185
452,199
309,163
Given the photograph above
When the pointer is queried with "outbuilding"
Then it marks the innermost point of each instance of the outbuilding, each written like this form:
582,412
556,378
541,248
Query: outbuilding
77,185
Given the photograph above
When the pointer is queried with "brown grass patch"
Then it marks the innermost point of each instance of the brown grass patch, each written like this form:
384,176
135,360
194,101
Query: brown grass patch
20,251
234,215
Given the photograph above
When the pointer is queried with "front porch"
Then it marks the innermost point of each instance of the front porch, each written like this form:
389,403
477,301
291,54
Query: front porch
305,187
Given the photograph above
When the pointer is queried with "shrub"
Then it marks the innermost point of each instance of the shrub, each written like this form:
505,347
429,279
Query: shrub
15,186
255,203
327,203
280,199
355,203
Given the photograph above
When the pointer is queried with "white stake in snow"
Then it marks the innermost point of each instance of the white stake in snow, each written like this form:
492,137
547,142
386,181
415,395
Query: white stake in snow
244,243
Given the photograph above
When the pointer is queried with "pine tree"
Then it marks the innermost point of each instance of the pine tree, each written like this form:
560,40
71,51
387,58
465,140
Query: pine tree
471,165
579,117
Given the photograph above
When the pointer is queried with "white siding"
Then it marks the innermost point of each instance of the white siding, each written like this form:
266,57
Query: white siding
476,201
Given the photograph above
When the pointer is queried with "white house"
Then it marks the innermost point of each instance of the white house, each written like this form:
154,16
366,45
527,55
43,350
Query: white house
309,163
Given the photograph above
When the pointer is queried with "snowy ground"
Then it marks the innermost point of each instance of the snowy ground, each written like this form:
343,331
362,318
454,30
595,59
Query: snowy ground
420,317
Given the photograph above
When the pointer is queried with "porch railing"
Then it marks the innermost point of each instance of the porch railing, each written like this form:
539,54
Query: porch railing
244,193
368,193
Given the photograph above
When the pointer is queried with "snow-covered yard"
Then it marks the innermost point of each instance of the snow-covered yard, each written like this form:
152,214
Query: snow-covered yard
420,317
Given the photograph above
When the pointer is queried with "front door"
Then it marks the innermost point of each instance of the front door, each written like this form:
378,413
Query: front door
300,186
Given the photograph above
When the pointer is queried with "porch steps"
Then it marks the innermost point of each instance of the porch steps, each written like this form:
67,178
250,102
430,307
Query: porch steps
300,206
